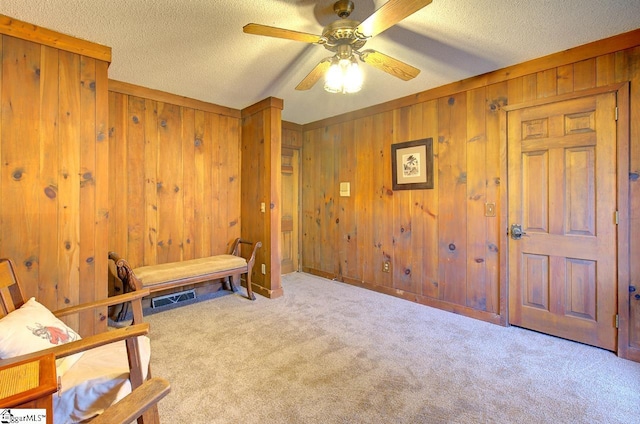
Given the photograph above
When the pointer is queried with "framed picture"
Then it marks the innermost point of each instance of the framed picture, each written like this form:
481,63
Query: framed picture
412,164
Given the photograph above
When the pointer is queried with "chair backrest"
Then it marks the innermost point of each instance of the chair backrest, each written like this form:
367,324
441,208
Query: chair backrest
11,294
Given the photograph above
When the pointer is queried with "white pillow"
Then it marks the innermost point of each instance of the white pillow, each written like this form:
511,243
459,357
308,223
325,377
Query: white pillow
31,328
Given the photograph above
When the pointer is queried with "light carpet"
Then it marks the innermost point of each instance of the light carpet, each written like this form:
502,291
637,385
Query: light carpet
328,352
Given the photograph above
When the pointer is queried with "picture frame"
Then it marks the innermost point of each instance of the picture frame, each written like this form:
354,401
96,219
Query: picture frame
412,164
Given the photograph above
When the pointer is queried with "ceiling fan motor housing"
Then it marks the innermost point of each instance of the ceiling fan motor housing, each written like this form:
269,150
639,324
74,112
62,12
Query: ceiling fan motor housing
343,8
342,32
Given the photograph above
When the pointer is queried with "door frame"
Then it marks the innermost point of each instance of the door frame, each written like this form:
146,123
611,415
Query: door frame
297,218
622,202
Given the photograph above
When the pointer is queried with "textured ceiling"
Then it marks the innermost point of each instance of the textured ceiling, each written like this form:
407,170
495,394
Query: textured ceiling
196,48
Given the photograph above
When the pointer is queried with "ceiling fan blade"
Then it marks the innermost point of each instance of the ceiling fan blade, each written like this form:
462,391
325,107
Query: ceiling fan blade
315,74
389,65
388,15
269,31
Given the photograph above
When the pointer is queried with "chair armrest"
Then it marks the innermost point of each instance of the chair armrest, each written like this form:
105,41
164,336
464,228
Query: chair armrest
235,249
114,300
86,343
135,403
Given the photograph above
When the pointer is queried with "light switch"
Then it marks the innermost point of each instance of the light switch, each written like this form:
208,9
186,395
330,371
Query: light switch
345,189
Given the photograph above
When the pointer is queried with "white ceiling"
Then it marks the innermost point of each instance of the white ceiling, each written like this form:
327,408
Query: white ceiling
196,48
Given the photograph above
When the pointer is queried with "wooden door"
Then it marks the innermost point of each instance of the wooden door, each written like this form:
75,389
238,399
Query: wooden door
290,175
562,191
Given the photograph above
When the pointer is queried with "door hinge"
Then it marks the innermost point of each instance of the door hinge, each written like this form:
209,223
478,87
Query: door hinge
617,217
617,321
616,113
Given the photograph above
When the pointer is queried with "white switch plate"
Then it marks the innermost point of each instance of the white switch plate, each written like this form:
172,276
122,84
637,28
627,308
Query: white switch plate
264,269
345,189
262,207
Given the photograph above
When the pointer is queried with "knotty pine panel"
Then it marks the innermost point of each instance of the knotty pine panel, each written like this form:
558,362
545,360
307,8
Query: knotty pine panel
53,177
466,280
363,193
261,139
476,199
401,264
177,198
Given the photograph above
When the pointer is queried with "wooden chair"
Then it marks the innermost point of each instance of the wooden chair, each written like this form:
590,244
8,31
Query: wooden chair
12,298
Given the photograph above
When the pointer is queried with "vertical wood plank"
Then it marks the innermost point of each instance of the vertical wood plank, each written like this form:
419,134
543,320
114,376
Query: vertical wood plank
188,190
476,222
234,184
565,79
516,94
20,159
347,213
218,239
429,212
135,168
307,167
547,83
605,70
49,141
584,74
210,194
363,193
383,201
101,213
170,213
117,173
402,259
497,99
151,147
453,180
87,237
529,87
70,115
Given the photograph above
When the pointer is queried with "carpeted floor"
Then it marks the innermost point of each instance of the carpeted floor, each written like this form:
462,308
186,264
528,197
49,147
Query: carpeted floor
328,352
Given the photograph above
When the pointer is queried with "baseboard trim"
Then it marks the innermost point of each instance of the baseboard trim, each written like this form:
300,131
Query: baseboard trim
412,297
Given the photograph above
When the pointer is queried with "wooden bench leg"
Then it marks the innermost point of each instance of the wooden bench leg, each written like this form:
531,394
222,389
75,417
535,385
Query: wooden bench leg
236,279
250,294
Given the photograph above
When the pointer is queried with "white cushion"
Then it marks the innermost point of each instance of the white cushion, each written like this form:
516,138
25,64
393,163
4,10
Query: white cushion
31,328
99,379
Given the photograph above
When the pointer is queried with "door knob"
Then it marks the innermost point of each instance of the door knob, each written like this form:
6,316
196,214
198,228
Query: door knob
516,231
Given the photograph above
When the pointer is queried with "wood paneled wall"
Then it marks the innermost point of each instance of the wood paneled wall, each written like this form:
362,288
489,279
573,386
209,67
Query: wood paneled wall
54,176
443,250
261,180
175,176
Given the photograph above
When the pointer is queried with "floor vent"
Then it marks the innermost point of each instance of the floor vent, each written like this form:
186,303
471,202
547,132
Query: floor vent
172,298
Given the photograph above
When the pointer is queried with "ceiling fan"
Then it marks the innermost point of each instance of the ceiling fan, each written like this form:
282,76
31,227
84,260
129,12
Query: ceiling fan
346,37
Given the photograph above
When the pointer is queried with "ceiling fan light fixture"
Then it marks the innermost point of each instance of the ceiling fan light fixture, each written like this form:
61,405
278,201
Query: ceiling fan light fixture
343,76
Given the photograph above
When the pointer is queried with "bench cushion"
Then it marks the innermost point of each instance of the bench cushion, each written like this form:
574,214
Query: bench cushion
156,274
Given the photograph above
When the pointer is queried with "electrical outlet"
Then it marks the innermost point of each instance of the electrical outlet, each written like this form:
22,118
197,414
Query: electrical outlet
386,266
489,209
264,269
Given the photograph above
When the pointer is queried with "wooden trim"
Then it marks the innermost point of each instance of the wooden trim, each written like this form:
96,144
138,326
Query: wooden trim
163,96
503,212
423,300
286,125
568,96
26,31
624,253
575,54
268,103
268,293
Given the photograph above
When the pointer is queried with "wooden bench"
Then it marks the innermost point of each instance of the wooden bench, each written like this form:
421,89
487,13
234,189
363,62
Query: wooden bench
172,275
